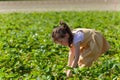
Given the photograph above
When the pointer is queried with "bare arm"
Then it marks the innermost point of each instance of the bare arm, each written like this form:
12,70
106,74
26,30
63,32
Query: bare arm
77,54
70,57
73,58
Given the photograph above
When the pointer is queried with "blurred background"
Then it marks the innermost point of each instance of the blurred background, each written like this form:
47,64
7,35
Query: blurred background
58,5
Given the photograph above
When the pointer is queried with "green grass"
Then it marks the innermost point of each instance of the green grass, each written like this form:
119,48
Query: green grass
28,53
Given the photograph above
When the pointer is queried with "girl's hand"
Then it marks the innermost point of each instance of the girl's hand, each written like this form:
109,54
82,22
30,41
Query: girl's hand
68,73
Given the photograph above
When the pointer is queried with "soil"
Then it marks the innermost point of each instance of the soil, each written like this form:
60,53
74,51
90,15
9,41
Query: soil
59,5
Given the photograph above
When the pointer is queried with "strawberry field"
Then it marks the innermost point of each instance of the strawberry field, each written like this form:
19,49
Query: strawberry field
27,51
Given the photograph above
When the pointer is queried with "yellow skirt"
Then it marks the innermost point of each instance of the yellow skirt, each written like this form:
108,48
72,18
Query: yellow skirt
93,45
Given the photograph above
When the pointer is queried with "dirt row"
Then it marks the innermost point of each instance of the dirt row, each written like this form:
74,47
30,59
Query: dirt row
59,5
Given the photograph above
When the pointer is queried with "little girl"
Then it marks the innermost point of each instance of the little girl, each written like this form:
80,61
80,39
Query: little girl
85,45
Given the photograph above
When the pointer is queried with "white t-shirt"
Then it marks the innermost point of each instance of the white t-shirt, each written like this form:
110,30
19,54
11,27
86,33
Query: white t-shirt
78,36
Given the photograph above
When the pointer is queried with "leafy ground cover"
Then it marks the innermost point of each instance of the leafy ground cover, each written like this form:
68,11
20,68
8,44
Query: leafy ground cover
28,53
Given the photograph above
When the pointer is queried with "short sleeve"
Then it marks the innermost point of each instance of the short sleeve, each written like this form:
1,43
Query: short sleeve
79,36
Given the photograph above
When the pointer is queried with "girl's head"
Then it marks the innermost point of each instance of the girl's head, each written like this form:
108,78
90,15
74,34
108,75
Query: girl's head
62,35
